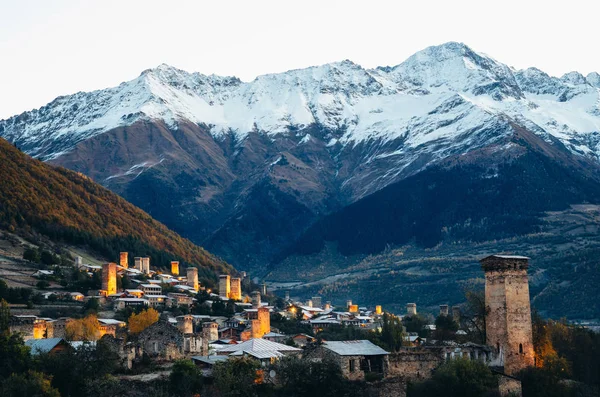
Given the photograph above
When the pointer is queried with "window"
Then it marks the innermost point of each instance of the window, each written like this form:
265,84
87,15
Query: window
498,347
520,348
352,365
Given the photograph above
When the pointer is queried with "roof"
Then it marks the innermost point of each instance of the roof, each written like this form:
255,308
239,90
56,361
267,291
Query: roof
273,335
150,286
508,257
132,300
39,346
110,321
260,354
354,348
254,345
210,359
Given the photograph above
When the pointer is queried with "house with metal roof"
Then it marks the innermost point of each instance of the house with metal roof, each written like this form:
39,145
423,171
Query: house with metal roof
46,346
356,358
262,350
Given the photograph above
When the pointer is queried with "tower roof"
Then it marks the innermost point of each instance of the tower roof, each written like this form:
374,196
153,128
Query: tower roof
504,262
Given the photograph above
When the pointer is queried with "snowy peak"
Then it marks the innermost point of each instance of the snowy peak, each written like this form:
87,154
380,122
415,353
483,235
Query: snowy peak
436,94
594,79
456,67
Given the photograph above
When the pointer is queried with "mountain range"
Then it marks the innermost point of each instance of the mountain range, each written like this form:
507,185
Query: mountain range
447,146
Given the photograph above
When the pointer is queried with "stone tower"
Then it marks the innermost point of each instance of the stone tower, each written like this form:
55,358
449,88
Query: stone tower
109,278
236,289
146,265
124,259
224,285
456,314
255,295
210,331
185,324
264,322
192,278
411,309
443,310
508,322
137,263
175,268
316,301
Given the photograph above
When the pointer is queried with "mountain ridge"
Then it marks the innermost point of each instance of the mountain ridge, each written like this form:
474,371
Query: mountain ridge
198,152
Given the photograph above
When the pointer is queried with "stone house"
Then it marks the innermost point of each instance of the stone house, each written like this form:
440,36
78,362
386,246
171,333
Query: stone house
356,358
164,341
47,346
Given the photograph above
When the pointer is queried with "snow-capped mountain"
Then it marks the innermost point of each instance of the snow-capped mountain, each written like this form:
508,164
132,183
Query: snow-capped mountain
208,154
382,103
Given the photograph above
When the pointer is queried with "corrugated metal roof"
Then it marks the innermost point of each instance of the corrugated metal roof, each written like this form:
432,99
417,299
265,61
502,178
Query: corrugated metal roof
260,354
354,348
254,345
39,346
210,359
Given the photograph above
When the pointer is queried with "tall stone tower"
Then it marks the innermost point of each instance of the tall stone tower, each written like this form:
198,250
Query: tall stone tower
236,288
255,296
185,324
175,268
263,323
146,265
224,285
192,278
443,310
109,278
124,259
210,331
137,263
411,309
508,322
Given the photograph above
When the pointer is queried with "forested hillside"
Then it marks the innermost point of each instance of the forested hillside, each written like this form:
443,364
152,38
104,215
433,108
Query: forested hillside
65,206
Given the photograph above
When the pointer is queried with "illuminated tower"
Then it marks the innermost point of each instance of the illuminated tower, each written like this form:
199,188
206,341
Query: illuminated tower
192,278
175,268
124,259
236,289
109,278
224,286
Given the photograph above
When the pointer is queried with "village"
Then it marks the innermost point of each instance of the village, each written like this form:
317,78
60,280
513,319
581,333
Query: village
186,320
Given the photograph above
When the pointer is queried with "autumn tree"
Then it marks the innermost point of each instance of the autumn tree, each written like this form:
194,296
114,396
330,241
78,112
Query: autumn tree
141,321
86,329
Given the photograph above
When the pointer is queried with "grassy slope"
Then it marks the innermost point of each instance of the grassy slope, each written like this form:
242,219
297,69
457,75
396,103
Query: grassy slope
64,205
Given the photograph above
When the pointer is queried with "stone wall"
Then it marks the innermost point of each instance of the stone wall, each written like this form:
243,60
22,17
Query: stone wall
415,363
418,363
509,386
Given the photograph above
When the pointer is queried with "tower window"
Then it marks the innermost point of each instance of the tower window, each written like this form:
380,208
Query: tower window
520,348
498,347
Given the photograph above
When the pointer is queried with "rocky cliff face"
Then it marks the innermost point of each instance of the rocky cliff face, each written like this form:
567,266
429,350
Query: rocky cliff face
245,168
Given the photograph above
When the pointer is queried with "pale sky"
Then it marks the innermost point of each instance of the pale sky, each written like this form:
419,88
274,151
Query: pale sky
57,47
